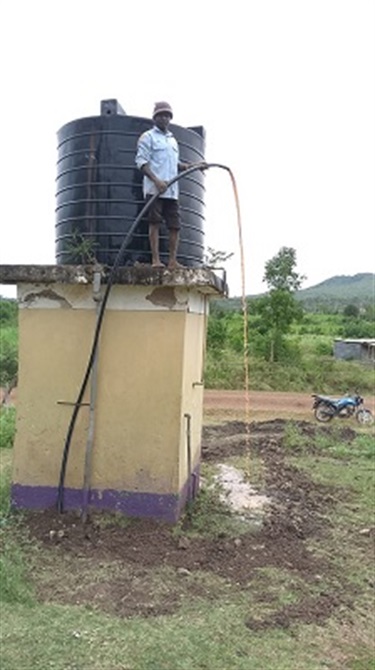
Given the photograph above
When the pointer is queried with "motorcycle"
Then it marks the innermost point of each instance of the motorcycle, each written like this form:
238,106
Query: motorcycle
325,408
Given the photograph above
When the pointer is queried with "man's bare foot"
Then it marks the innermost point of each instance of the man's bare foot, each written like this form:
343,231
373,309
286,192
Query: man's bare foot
158,264
174,265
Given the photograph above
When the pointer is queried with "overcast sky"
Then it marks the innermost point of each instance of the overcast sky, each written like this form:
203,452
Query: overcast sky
284,88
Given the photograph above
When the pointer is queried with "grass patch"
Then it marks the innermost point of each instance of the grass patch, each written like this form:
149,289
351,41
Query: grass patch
277,586
294,439
362,447
330,441
346,468
7,427
211,638
5,477
15,585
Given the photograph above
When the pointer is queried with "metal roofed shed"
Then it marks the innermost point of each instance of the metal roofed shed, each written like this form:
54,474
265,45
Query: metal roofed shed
355,350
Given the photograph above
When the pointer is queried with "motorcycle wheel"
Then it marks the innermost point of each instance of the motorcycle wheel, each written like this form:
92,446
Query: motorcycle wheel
323,413
365,417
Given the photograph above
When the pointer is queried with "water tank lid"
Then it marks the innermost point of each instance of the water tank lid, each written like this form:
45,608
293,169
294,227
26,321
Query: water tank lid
111,107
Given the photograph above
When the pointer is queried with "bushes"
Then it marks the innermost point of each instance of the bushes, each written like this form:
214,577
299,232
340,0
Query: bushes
8,354
8,313
305,359
358,328
225,369
7,427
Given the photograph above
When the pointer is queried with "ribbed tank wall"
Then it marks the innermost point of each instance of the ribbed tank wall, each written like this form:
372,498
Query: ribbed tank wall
99,193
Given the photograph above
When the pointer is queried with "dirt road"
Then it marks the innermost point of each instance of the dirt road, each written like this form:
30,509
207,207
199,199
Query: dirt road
258,400
257,406
262,404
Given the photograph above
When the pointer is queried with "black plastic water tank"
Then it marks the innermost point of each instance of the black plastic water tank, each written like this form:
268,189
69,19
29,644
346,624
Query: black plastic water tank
99,191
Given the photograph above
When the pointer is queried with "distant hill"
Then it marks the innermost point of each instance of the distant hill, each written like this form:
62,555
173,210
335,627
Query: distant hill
339,291
330,295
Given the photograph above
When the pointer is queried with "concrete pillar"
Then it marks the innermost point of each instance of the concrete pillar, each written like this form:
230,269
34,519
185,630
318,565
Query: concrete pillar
149,399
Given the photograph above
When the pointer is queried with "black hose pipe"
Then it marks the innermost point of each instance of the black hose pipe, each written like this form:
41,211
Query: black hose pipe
126,241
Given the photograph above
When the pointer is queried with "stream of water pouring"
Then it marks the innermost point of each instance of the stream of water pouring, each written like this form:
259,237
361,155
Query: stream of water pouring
244,310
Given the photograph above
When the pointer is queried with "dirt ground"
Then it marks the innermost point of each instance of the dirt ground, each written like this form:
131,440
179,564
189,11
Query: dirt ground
255,405
261,401
147,568
264,404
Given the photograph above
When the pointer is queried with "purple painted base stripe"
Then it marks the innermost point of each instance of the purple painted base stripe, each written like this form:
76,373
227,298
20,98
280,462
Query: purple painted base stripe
160,506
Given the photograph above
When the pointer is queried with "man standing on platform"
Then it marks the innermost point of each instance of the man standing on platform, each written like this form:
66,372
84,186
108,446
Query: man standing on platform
158,159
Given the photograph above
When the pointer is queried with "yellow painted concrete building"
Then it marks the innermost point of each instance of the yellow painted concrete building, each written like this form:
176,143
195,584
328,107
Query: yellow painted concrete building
135,444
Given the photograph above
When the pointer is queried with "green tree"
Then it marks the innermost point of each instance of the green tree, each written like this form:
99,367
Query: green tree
279,308
280,272
351,311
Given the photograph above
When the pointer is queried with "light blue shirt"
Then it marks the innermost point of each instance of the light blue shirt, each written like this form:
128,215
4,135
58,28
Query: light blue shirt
160,151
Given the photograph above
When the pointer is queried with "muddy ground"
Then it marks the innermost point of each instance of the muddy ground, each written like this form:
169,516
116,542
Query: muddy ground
147,568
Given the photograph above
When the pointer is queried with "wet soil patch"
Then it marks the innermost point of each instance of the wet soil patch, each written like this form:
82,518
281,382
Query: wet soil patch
146,568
